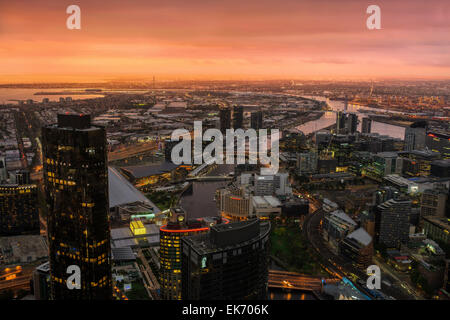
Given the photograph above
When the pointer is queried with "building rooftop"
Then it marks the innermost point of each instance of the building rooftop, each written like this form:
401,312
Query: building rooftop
122,254
227,236
343,216
75,121
442,163
361,236
123,237
150,170
273,201
23,249
122,192
264,201
390,202
45,267
387,154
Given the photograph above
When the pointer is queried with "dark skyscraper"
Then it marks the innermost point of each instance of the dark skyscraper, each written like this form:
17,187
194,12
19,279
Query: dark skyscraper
230,262
22,177
256,120
238,117
439,142
168,146
392,222
366,125
341,119
415,136
170,254
18,210
352,123
225,119
76,184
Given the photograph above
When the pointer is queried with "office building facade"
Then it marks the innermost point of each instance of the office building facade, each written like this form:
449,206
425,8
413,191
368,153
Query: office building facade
351,123
341,120
170,254
438,142
392,222
76,185
19,213
235,204
256,120
366,126
228,263
415,136
433,202
238,117
225,119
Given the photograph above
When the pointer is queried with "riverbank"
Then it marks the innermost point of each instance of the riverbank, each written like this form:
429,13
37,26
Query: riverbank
311,117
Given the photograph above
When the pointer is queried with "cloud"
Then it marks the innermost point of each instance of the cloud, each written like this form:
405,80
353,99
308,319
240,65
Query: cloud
202,36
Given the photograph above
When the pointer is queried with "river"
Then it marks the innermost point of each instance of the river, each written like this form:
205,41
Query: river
329,118
199,201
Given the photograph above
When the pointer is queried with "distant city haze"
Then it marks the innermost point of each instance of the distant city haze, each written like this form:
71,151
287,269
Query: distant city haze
231,39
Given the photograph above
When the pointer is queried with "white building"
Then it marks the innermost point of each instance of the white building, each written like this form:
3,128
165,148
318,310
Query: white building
277,184
264,206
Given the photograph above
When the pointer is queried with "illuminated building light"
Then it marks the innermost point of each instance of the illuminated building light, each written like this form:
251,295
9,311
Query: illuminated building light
137,227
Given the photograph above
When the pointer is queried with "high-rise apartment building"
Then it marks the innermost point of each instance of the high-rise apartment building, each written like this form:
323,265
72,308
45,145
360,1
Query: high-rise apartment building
235,204
307,162
22,177
351,123
256,120
225,119
18,210
41,282
440,168
76,185
439,142
415,136
366,126
433,202
341,119
171,251
264,185
238,117
358,246
229,262
168,146
392,222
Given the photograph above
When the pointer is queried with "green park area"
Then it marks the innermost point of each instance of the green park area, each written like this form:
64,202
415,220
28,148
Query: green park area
290,247
162,199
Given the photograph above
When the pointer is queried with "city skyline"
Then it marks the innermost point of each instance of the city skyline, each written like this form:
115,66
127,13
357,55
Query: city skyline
225,153
230,40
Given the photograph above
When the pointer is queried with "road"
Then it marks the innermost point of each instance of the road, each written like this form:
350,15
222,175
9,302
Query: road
402,282
22,281
341,267
296,281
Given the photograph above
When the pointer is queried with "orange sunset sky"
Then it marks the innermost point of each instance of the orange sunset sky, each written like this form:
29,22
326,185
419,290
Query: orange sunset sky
218,39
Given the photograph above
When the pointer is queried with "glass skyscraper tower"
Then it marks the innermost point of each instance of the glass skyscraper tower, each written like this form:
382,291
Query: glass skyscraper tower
76,184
